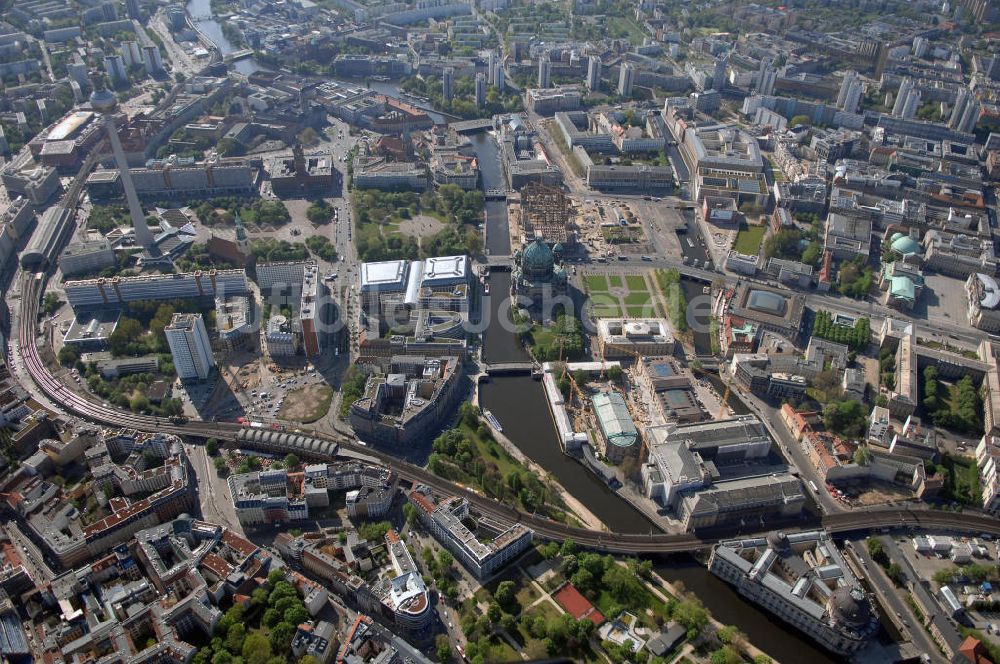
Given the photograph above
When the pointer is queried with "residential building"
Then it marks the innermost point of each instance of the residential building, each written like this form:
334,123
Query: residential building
190,347
118,291
594,73
626,79
446,521
86,257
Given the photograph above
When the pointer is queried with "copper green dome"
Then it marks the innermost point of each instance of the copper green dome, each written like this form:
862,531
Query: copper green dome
904,244
538,258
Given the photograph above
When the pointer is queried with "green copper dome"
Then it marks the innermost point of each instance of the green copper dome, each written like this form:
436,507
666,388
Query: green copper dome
904,244
538,257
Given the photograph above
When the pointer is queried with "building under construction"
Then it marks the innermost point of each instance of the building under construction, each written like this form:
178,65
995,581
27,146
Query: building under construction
545,212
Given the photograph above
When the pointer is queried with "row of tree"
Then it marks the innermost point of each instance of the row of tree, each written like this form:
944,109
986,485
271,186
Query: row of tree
856,338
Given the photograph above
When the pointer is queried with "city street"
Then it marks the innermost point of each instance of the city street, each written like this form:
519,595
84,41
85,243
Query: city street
213,491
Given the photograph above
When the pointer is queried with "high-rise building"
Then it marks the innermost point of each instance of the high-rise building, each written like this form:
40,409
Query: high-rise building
719,74
114,65
851,90
448,83
151,59
480,90
905,88
105,103
993,68
190,347
498,78
594,73
920,45
626,78
544,71
766,77
132,9
131,53
965,113
491,67
110,11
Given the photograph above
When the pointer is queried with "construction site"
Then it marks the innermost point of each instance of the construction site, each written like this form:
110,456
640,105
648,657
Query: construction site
544,211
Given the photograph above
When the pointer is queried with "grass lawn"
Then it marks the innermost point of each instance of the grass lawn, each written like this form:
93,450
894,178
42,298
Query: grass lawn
607,311
636,283
616,281
634,32
492,450
640,311
961,480
638,298
637,604
307,404
596,283
500,651
749,239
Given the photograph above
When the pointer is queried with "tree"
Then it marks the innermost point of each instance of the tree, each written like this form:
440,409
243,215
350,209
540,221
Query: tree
726,655
139,403
256,648
69,355
212,446
691,615
493,612
568,547
411,513
443,647
504,594
281,637
799,120
845,417
234,637
51,303
291,461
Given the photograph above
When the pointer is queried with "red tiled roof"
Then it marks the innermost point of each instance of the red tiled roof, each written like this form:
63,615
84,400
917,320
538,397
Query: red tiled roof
578,606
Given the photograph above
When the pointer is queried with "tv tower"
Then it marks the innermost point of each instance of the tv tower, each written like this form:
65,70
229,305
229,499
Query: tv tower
104,102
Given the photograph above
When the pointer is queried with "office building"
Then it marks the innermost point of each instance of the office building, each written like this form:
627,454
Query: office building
409,402
594,73
626,79
546,101
544,71
448,83
280,337
86,257
190,347
984,302
498,76
132,9
804,580
371,172
309,311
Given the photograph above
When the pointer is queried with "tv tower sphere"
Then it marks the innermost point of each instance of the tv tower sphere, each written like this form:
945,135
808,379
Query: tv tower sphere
103,100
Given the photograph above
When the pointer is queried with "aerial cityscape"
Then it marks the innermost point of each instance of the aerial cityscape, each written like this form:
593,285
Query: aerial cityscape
492,331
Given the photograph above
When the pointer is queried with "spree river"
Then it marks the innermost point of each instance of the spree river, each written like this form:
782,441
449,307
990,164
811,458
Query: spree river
519,403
